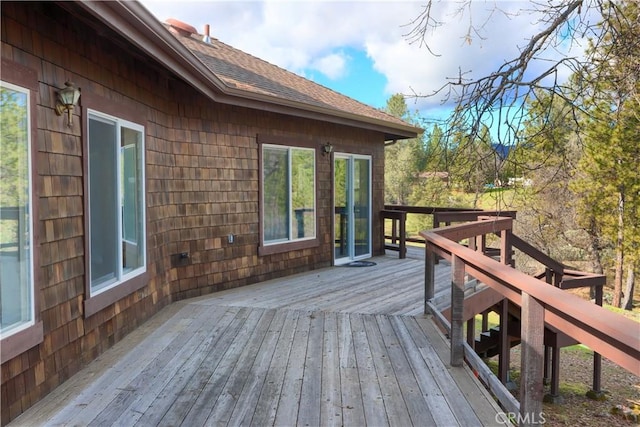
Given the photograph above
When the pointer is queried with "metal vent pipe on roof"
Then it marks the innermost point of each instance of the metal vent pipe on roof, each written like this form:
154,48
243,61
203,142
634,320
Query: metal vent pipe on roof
206,38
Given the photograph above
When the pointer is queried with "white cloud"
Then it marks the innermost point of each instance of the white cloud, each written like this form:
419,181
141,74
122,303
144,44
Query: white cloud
333,65
312,35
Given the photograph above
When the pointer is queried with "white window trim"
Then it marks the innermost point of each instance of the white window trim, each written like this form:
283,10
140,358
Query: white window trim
123,277
32,307
291,237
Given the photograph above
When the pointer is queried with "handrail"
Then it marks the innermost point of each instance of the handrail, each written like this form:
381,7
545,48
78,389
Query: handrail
472,229
555,273
428,210
467,215
598,326
537,254
611,335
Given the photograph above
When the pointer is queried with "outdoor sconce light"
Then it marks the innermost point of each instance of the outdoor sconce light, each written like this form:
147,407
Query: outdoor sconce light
67,99
327,148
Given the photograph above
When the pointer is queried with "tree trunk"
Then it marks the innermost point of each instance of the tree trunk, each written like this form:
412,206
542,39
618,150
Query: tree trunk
628,292
594,248
617,282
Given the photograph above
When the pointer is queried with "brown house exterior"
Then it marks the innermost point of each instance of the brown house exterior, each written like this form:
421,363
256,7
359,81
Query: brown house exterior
206,124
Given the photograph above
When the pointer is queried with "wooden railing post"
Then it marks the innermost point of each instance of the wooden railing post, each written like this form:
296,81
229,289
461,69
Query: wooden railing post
429,275
403,235
532,361
505,247
457,310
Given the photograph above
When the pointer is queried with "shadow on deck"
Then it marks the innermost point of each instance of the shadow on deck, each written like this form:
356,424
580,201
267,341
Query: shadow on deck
337,346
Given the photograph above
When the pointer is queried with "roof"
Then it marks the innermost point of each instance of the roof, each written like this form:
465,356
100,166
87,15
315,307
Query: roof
231,76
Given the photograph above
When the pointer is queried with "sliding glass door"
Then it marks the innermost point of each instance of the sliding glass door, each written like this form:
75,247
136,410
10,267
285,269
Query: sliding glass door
352,207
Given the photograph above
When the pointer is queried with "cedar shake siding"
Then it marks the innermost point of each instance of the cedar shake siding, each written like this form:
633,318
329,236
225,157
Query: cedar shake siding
201,184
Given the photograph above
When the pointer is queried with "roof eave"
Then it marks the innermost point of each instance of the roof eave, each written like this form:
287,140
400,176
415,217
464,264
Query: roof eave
134,22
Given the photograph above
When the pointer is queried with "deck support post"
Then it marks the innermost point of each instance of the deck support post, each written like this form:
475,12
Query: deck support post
457,309
471,332
532,361
554,392
546,376
485,321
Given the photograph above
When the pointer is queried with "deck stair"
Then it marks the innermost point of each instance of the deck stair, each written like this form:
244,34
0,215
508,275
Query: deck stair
488,344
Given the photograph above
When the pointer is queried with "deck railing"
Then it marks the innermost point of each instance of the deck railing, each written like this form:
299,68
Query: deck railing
611,335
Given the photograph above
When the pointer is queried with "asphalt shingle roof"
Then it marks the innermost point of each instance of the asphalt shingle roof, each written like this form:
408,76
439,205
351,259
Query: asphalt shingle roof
240,70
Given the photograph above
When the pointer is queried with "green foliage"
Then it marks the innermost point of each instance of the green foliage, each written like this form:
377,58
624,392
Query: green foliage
404,159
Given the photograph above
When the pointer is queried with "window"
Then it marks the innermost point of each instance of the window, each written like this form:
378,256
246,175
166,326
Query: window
16,217
117,239
288,194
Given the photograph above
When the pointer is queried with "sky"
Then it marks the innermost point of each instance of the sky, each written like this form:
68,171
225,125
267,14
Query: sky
362,49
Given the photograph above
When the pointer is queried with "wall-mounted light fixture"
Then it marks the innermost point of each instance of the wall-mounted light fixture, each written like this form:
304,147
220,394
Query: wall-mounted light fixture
67,99
327,149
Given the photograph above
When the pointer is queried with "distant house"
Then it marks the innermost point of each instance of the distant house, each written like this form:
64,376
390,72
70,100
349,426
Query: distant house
187,167
440,176
519,182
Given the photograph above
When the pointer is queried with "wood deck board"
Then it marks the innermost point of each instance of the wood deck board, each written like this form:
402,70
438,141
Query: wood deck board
213,390
131,402
412,395
288,404
98,395
372,396
176,398
331,398
339,346
352,403
396,409
267,404
248,398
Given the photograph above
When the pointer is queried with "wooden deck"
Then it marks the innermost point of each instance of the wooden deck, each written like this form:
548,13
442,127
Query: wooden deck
338,346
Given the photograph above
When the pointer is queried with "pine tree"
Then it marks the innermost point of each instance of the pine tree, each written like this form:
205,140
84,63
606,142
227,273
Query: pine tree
608,179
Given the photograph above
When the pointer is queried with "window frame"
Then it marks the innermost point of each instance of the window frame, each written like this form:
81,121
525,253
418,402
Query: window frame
101,108
31,334
268,248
